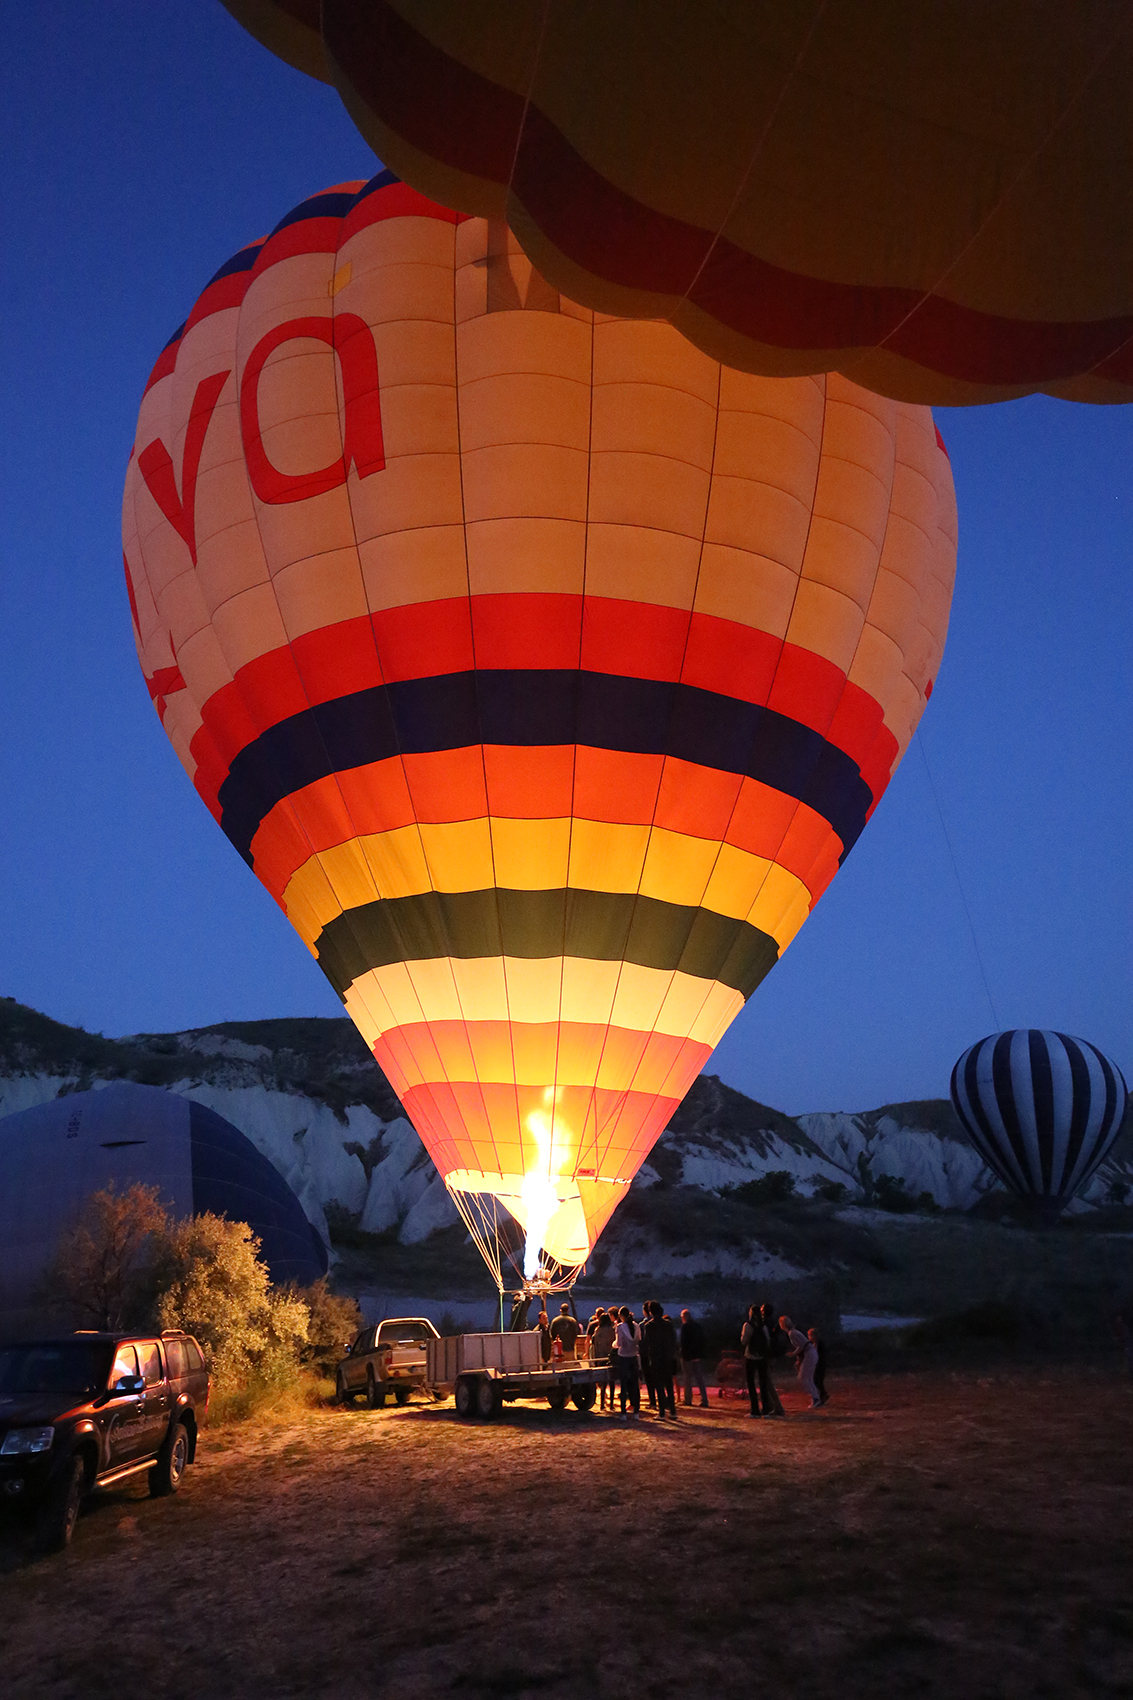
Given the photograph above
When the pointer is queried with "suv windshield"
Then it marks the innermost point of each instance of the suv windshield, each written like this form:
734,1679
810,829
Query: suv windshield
68,1366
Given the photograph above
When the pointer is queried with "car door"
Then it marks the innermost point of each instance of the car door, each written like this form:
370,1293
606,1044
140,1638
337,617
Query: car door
356,1363
123,1412
157,1401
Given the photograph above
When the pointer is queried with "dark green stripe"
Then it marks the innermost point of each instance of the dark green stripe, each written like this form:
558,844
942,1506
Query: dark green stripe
604,926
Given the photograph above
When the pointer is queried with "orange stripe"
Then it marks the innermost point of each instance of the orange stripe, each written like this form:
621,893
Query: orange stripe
466,1126
535,783
539,1053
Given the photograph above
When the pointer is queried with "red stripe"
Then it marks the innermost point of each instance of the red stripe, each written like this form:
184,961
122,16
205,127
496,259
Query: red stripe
630,639
166,361
470,124
225,292
306,236
463,1124
396,200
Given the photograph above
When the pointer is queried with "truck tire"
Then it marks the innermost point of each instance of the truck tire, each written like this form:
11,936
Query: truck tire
464,1396
60,1512
341,1392
165,1476
375,1393
557,1398
583,1397
401,1394
489,1401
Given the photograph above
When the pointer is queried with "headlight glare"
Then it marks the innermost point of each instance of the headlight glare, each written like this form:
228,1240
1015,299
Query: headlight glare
21,1440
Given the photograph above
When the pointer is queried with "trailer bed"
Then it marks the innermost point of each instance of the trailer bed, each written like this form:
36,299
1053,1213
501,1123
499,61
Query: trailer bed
483,1371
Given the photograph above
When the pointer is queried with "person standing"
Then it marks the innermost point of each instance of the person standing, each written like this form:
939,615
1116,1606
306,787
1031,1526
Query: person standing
602,1352
692,1357
625,1348
772,1404
755,1345
543,1324
819,1345
659,1352
566,1328
805,1356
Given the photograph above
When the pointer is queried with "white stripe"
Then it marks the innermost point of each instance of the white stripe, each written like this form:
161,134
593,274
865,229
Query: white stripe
985,1088
1063,1109
1023,1088
1086,1157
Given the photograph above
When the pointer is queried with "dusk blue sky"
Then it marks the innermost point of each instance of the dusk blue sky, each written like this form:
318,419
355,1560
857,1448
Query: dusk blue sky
143,145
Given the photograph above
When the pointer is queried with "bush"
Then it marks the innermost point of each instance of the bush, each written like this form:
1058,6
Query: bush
775,1187
834,1192
127,1264
890,1193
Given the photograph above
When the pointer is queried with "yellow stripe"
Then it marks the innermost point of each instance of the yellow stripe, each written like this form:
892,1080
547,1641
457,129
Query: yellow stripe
547,989
545,855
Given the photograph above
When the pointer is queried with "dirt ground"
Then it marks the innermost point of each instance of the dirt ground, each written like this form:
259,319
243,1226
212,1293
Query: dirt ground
938,1534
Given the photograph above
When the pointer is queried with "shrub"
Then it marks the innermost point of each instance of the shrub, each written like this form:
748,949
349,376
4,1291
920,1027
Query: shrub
834,1192
333,1320
775,1187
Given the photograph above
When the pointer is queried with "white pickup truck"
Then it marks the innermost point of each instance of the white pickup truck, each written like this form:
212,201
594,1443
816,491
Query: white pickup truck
388,1357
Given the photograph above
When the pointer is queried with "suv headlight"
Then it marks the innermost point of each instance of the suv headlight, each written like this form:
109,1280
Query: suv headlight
18,1440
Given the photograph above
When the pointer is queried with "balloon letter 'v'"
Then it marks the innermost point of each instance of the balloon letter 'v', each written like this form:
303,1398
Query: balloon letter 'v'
156,467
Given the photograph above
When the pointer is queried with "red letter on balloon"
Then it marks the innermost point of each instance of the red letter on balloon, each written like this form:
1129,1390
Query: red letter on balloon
353,342
156,467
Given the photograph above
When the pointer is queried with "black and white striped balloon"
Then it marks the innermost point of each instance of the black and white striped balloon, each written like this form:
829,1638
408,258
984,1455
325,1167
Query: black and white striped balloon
1043,1110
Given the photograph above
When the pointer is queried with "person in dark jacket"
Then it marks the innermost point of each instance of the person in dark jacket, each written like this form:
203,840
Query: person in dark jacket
755,1347
543,1324
659,1355
692,1357
777,1341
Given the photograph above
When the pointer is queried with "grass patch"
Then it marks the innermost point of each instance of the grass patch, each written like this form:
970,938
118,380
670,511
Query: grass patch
268,1403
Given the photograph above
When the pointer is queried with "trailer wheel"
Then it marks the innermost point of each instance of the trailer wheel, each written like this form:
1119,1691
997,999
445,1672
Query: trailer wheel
557,1398
583,1397
488,1400
464,1396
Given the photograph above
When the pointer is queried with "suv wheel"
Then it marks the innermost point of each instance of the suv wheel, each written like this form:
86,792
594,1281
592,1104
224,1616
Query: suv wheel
401,1394
341,1392
165,1477
61,1511
375,1395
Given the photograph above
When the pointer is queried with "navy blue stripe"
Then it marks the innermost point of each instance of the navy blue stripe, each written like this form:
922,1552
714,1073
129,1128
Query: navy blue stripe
1080,1078
241,262
333,205
177,335
1042,1086
608,712
383,180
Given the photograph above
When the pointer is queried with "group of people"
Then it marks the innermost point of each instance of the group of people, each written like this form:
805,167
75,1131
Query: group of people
762,1339
655,1352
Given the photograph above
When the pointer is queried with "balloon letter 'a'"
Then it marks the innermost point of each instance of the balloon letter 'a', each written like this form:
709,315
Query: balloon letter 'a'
543,669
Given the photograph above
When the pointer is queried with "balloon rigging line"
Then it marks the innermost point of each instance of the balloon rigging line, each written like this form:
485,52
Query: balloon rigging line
956,875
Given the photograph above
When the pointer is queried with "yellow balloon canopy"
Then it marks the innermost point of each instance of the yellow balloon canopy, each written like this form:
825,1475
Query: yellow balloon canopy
543,669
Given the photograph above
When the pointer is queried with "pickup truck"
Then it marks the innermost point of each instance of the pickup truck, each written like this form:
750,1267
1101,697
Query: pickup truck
388,1357
86,1411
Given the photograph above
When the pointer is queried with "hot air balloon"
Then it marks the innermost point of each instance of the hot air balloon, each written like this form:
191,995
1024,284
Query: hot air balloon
929,199
543,669
1042,1110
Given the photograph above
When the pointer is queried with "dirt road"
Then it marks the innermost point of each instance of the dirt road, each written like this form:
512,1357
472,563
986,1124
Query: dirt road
931,1535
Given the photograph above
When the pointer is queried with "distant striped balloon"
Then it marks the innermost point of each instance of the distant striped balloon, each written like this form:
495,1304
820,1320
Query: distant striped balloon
543,669
1043,1110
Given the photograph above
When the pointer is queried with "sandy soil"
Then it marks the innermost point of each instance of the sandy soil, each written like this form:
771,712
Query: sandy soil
933,1534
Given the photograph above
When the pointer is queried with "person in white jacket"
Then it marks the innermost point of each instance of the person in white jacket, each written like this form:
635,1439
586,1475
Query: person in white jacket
806,1358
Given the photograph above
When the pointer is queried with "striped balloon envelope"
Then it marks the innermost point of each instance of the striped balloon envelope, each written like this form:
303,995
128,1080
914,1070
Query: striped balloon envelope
1042,1110
543,669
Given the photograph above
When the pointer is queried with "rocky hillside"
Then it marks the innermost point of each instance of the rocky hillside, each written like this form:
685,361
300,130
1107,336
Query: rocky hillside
307,1093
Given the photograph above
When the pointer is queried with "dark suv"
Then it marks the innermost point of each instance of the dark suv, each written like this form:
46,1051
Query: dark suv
87,1410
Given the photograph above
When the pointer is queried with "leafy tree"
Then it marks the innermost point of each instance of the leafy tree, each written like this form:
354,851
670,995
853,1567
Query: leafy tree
334,1319
213,1284
104,1268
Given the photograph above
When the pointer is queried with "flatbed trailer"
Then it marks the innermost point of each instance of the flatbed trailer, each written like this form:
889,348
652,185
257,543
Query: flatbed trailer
485,1371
